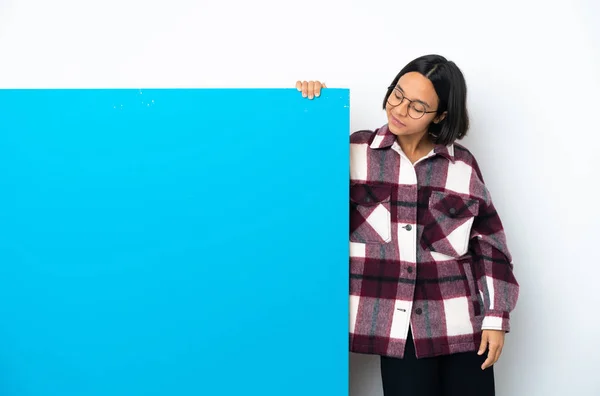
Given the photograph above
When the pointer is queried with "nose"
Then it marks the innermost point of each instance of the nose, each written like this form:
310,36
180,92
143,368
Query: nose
402,108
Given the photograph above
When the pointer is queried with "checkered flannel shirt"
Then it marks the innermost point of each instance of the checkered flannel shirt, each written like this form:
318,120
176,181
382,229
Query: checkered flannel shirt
427,249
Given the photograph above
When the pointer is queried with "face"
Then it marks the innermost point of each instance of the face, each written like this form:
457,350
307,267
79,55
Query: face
419,89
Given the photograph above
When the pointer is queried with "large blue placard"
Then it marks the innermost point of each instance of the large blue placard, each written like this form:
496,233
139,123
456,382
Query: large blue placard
173,242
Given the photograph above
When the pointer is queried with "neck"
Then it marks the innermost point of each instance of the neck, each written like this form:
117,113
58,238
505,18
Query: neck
415,145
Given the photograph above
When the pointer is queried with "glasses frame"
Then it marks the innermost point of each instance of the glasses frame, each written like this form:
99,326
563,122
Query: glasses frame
409,102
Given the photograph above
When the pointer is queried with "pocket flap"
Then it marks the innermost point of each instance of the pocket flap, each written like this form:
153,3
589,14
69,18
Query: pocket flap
370,194
454,206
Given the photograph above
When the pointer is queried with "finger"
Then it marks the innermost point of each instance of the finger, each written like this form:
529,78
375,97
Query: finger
492,356
498,353
304,89
483,345
311,89
299,85
318,87
488,362
324,86
493,351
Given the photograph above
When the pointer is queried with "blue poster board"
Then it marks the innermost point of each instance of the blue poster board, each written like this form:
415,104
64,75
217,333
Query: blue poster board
173,242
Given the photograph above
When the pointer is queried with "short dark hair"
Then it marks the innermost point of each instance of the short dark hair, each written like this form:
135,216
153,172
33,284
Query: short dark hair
451,89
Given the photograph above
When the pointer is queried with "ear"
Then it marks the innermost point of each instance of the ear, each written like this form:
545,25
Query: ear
440,118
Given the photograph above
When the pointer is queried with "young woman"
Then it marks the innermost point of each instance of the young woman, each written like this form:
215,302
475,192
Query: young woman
431,277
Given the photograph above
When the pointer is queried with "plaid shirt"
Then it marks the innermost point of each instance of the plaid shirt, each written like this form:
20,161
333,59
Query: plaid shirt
427,249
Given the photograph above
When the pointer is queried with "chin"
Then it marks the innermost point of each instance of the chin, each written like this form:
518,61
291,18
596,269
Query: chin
396,130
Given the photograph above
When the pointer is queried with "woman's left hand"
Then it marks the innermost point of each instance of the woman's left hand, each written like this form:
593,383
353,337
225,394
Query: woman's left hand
494,341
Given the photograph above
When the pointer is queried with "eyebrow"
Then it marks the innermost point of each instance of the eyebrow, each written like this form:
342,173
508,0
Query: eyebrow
415,100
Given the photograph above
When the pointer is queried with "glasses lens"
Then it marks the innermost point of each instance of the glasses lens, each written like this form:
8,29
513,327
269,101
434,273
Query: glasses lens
396,98
416,110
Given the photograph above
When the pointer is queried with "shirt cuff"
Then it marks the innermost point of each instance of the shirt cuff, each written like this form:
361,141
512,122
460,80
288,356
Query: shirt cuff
496,320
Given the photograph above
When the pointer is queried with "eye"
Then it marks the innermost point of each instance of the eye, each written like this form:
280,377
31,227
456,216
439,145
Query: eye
418,107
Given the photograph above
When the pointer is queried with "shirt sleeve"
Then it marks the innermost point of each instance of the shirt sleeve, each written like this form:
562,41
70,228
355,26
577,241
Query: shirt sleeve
493,266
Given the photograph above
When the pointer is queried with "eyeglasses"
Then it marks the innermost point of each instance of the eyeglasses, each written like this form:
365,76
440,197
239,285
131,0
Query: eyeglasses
416,110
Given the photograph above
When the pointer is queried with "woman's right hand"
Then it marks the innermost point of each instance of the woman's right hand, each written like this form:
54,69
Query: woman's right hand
310,89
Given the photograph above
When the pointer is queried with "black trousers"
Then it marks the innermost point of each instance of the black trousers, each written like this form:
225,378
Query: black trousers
452,375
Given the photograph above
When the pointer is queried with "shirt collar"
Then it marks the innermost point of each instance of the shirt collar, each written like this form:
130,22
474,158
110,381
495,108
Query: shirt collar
445,151
384,138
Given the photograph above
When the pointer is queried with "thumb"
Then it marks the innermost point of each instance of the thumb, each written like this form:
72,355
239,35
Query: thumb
484,342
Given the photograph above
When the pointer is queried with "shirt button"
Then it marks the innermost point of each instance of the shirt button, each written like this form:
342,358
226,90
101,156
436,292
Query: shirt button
408,227
410,270
452,211
418,311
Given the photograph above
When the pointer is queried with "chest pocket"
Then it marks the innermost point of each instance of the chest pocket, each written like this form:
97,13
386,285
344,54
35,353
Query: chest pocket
449,219
370,218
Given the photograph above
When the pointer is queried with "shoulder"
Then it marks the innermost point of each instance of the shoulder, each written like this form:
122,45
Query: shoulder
478,188
461,153
464,155
361,154
363,136
366,136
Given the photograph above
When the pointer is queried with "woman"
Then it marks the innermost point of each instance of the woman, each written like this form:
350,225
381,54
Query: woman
431,277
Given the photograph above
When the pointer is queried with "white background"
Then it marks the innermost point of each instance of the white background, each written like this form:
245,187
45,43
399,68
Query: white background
532,69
